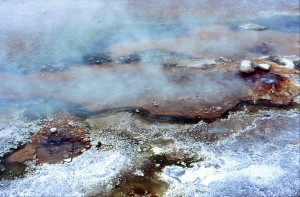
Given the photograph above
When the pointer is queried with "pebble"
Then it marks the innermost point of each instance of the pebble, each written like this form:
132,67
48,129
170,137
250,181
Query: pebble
221,60
53,130
247,66
218,108
138,173
65,156
263,66
253,26
68,160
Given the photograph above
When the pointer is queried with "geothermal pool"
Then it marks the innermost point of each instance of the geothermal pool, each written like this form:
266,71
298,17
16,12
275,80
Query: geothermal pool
149,98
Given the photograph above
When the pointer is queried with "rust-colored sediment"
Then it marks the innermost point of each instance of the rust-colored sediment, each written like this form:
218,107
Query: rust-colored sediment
204,92
274,86
57,142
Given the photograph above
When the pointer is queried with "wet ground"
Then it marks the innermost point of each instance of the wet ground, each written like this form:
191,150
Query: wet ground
131,98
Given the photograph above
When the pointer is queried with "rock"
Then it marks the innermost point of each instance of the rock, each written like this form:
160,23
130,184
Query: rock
128,59
247,66
68,160
297,64
98,146
221,60
297,99
253,26
277,59
138,173
53,130
263,66
101,58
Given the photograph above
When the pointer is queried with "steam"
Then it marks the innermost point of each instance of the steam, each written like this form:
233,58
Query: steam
39,34
35,33
133,86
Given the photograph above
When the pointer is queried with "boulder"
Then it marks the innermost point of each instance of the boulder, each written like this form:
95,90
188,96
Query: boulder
247,66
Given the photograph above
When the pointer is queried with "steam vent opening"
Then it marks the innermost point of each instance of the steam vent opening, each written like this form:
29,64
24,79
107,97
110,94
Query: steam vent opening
149,98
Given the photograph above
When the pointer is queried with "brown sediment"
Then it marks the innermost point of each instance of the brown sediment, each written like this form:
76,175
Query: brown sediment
194,93
12,170
57,142
26,153
144,180
274,86
275,89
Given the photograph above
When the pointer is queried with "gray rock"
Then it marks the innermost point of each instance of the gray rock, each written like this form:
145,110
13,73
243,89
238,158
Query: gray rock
247,66
297,64
253,26
277,59
221,60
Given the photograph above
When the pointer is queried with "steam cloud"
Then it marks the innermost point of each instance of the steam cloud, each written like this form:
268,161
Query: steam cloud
35,34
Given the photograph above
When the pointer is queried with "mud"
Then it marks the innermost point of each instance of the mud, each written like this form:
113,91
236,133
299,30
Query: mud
12,170
144,180
57,142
